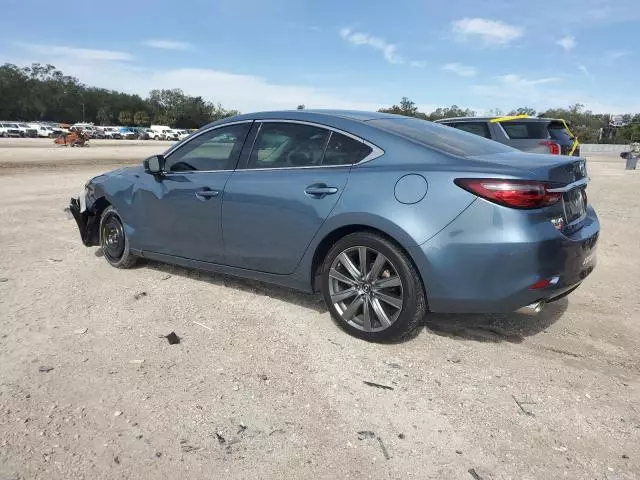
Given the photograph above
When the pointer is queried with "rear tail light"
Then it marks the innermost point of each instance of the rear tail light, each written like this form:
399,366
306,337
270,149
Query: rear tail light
554,148
545,283
511,193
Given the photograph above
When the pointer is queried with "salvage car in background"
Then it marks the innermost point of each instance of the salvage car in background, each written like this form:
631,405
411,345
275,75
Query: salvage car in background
529,134
43,131
9,129
388,216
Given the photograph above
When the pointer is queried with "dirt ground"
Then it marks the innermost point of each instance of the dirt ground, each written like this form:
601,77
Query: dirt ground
264,385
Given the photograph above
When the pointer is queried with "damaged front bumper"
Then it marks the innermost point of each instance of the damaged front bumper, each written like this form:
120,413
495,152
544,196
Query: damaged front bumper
86,220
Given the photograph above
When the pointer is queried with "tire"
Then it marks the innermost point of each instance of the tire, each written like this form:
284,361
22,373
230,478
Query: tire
114,240
391,291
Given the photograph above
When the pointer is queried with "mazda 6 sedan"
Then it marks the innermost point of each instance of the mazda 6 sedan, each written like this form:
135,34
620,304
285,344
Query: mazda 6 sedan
389,217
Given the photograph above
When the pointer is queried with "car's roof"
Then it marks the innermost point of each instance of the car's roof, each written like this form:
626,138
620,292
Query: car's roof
315,114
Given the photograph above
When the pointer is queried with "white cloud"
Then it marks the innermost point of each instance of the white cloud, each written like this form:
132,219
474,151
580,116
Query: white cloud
460,69
601,12
418,64
75,53
514,80
615,54
167,44
388,50
512,90
584,70
491,32
247,93
567,42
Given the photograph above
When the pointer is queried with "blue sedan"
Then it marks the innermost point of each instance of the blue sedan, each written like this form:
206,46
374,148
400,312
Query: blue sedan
389,217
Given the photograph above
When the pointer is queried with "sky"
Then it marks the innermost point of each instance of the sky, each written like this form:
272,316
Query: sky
256,55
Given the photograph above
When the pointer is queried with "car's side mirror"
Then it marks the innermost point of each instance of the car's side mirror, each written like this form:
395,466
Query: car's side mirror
154,165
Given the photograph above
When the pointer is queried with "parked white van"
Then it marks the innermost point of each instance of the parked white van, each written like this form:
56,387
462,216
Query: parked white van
159,131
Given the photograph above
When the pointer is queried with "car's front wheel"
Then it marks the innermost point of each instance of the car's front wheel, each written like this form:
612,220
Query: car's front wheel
372,288
114,240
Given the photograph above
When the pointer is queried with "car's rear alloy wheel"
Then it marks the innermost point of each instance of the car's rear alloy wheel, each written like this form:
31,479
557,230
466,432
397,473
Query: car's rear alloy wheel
372,288
365,289
114,240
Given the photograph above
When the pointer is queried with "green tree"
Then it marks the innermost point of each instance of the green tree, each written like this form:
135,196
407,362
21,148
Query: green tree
124,117
104,116
406,107
523,111
450,112
141,118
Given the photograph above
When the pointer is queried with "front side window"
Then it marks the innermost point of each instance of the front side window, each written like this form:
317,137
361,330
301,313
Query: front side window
217,149
286,145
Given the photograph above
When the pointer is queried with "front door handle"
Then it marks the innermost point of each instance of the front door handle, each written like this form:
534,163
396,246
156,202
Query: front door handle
205,194
320,190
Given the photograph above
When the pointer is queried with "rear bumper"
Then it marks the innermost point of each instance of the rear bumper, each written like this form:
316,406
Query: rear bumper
487,260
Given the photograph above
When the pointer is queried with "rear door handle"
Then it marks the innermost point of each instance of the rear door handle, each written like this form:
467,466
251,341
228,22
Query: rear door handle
320,190
207,193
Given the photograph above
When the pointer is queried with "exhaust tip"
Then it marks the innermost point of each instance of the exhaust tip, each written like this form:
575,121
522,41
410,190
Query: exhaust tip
537,306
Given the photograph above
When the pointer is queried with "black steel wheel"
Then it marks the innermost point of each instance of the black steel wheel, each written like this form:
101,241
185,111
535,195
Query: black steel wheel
114,240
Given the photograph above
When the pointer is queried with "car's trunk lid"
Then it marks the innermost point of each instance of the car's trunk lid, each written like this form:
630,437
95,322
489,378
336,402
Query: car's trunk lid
564,174
552,168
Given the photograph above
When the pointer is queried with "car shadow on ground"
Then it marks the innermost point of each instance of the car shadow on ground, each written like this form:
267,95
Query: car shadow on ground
500,327
504,327
305,300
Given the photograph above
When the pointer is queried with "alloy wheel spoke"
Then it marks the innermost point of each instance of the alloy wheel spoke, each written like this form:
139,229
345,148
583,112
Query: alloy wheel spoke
348,264
380,313
366,316
351,309
388,282
333,273
343,295
377,267
393,301
362,258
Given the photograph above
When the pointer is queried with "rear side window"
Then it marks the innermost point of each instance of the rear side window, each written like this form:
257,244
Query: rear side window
343,150
478,128
441,137
285,145
559,133
525,130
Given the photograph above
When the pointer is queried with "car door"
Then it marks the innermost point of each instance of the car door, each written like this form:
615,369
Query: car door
291,180
179,211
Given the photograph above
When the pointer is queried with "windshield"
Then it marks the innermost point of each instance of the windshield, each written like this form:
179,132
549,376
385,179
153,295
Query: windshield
441,137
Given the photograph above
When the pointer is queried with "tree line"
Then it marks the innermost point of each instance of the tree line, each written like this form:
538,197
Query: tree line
44,93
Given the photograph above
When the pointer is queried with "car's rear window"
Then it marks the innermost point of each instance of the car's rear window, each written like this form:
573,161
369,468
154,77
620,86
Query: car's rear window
525,130
442,137
559,133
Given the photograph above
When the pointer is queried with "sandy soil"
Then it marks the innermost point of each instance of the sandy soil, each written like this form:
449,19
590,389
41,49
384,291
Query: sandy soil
27,153
264,385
